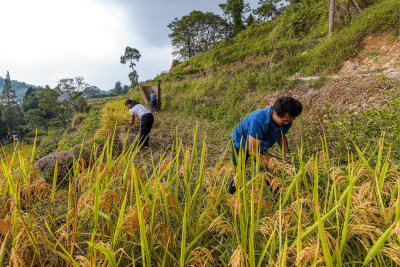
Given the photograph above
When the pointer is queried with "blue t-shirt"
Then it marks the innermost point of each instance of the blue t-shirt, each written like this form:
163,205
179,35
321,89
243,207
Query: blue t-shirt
259,125
153,97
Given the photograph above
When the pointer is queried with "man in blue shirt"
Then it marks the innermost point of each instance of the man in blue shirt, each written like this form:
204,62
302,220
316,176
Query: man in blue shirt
153,99
260,129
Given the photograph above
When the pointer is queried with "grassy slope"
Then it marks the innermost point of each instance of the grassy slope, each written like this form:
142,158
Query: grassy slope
228,82
221,86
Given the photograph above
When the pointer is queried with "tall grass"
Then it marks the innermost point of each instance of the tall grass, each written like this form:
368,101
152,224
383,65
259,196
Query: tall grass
115,212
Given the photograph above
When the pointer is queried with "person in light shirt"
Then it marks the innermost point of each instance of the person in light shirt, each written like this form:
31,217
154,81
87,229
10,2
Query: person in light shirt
146,120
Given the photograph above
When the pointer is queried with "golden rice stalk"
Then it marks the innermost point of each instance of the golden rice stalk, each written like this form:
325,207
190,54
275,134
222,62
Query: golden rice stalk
267,226
32,175
6,208
86,201
213,198
273,181
232,203
131,220
265,205
229,169
200,256
5,226
83,261
288,218
209,179
84,180
22,254
109,200
392,252
239,258
364,193
396,231
307,212
308,254
366,213
164,164
337,175
38,188
161,235
114,114
221,225
364,230
271,164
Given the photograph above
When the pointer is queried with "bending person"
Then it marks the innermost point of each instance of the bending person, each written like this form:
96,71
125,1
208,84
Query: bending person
146,120
260,129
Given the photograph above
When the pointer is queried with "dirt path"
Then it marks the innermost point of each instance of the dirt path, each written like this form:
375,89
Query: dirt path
389,74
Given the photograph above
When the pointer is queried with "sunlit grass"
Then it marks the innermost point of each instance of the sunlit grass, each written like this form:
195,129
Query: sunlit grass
7,151
115,211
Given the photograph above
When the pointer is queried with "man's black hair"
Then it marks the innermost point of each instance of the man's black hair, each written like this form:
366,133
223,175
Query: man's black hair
131,102
287,105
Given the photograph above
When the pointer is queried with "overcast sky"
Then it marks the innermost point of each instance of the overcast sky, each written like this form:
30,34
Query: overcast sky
43,41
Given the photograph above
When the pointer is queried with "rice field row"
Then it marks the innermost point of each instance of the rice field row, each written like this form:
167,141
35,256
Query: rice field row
113,211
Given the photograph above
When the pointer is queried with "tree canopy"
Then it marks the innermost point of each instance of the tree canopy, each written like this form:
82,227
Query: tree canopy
131,55
11,113
235,9
197,33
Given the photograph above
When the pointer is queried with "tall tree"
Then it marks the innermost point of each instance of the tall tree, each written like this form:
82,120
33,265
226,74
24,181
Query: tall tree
117,90
3,127
235,9
131,55
91,91
73,89
268,10
11,114
197,33
30,99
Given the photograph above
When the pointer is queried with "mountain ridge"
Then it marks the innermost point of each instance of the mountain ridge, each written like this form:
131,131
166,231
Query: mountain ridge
19,87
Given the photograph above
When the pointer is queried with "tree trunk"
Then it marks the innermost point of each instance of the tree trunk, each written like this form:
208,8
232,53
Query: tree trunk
331,16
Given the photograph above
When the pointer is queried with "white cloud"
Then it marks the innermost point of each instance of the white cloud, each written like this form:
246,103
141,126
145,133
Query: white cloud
46,40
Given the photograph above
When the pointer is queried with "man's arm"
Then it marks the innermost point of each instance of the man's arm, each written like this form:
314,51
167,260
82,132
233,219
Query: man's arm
254,145
283,141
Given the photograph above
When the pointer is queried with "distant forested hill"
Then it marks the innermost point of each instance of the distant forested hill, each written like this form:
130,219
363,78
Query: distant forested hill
19,87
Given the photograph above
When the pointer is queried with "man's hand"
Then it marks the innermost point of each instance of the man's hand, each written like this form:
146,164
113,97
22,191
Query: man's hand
131,119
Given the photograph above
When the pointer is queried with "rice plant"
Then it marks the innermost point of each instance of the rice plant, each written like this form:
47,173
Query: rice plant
114,211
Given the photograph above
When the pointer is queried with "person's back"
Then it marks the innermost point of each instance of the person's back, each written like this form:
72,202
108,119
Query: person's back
153,98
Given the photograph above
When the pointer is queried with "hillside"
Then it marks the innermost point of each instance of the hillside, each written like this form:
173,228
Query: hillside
353,71
19,87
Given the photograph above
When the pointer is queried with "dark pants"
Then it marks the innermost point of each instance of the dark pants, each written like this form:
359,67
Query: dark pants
235,150
232,187
146,122
153,104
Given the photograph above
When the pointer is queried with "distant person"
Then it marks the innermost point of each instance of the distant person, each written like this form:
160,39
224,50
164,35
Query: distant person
153,98
146,120
262,128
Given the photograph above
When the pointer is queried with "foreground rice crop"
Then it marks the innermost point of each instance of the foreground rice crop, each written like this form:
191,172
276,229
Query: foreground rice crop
113,211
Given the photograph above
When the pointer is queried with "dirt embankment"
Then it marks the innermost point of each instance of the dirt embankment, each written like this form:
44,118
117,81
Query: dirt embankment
348,94
379,53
